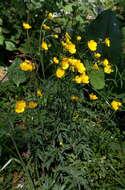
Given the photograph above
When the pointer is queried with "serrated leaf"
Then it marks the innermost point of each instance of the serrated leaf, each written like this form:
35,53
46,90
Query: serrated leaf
10,46
97,79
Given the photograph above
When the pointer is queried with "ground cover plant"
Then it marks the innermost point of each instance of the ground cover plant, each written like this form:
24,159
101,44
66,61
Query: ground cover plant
62,95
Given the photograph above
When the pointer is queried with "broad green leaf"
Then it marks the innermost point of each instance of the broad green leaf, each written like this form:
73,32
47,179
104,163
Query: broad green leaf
97,79
10,46
15,74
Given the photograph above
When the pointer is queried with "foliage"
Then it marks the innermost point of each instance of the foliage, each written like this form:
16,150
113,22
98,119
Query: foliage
60,138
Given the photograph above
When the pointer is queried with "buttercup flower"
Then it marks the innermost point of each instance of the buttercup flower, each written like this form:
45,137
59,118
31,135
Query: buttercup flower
95,67
108,69
20,106
50,16
55,36
105,62
93,96
80,67
92,45
26,26
69,46
107,42
45,27
27,65
44,45
55,60
32,105
77,79
74,98
85,78
116,105
39,93
78,38
60,73
97,55
64,65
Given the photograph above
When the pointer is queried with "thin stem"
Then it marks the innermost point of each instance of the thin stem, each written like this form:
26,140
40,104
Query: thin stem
41,54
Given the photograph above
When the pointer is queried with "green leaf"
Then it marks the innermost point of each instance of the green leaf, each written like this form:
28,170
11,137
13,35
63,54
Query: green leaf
10,46
1,39
97,79
79,19
1,30
68,8
15,74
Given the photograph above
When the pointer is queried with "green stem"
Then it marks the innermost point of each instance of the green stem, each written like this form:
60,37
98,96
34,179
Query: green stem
41,54
42,64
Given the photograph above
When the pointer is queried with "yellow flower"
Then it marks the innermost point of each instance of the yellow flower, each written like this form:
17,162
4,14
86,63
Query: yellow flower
116,105
60,73
50,16
32,105
69,46
63,43
44,45
80,67
55,36
108,69
26,26
27,65
20,106
74,62
97,55
84,79
74,98
92,45
39,93
64,65
105,62
55,60
95,67
93,96
78,38
77,79
45,27
107,42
